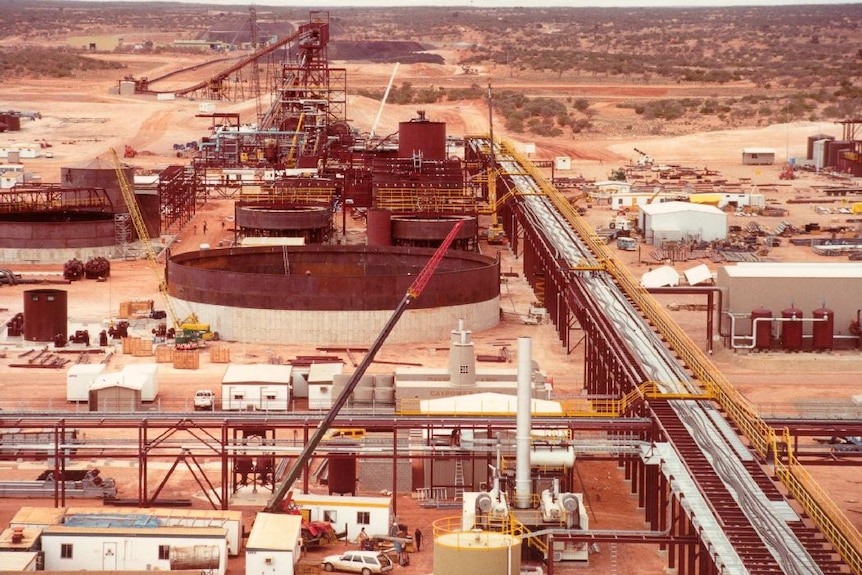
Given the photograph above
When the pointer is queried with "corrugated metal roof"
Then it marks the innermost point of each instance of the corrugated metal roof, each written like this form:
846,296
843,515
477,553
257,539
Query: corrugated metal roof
187,532
138,520
161,512
674,207
486,403
275,532
38,516
794,270
257,373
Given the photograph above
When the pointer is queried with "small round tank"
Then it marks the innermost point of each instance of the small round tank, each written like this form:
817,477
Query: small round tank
762,329
45,315
477,551
791,331
341,477
823,332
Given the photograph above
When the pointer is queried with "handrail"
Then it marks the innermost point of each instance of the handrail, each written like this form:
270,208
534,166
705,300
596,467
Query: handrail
762,437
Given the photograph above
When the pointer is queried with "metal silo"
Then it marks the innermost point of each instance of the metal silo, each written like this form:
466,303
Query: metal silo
458,552
45,315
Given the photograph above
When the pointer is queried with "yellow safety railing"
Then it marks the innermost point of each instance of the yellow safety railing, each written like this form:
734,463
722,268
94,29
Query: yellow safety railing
763,439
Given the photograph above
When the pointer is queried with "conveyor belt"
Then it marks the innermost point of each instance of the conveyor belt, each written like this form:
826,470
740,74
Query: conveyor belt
767,534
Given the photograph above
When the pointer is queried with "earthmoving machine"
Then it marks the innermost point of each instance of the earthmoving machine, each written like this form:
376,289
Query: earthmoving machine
279,502
644,159
190,329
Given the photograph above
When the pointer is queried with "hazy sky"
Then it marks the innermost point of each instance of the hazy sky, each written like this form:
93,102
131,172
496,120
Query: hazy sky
512,3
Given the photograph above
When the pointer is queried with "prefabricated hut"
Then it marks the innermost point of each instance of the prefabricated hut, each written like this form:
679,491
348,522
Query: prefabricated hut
758,156
352,513
19,561
262,387
79,378
320,384
147,374
125,548
682,221
38,518
113,392
274,544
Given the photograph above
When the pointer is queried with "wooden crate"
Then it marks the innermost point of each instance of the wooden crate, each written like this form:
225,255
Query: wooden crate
219,354
187,359
142,347
164,354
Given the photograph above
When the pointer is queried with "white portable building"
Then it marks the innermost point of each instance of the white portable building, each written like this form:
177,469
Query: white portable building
135,549
274,544
256,387
758,156
112,392
320,384
350,513
145,373
18,561
682,221
79,378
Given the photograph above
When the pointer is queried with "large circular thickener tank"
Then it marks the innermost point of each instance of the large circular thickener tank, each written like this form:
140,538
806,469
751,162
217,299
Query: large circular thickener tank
458,552
45,314
762,329
332,294
823,331
791,329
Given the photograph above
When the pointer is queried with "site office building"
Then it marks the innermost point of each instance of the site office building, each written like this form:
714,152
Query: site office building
135,549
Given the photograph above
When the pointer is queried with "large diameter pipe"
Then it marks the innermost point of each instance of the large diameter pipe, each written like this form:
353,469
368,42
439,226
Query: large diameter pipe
524,423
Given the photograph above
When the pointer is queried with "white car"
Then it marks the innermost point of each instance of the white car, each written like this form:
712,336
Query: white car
365,562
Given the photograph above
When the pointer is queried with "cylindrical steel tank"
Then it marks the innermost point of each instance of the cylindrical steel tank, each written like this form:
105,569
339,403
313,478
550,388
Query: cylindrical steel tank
762,330
471,552
379,227
791,331
422,137
98,173
823,332
45,315
341,476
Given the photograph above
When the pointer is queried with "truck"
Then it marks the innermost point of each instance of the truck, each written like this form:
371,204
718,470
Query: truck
204,400
627,244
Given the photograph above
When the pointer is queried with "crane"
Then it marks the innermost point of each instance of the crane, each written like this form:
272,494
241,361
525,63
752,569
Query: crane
280,493
144,237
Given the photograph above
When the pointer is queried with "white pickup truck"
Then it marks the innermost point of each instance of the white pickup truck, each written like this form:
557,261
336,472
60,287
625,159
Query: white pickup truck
204,400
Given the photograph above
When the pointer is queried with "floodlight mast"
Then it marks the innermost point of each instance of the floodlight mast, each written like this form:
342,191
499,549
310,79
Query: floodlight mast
413,292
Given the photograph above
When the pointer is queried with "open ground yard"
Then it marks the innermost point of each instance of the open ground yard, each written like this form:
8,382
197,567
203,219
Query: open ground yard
82,118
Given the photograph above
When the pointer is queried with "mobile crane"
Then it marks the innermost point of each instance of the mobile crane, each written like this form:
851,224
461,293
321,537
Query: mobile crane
280,493
190,327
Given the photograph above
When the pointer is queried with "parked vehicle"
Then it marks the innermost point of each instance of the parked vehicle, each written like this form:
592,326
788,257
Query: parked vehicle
627,244
204,400
364,562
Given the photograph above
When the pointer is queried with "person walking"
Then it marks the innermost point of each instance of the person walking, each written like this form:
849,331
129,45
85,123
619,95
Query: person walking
205,226
417,540
363,540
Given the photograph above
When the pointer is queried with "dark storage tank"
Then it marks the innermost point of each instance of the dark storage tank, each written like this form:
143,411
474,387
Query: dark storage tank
45,315
791,331
341,477
823,332
809,152
762,330
379,227
422,136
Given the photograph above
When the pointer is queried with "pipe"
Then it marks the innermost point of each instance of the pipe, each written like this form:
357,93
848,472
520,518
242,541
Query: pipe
754,327
523,424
